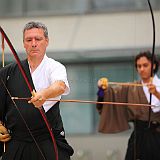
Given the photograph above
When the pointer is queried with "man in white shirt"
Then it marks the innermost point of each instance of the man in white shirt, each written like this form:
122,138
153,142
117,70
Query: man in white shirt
49,80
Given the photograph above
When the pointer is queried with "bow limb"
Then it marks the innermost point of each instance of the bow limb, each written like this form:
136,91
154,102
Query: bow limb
2,46
30,88
153,53
3,83
16,58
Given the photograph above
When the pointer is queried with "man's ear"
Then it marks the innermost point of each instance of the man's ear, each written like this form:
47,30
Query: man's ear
154,67
47,41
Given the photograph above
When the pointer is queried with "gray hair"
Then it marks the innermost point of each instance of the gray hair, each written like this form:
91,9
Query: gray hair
40,25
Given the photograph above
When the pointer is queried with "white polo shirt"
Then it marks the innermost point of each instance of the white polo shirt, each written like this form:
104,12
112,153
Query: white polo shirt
47,73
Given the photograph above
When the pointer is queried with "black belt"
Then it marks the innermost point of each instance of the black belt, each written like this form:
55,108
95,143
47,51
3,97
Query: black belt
145,124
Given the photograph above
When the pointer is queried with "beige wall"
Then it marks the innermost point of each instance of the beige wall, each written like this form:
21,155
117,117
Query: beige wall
89,32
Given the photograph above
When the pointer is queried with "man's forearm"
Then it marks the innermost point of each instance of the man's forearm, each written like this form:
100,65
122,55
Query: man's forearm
56,89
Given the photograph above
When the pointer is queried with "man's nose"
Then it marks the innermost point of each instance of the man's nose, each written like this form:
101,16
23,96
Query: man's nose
142,68
34,44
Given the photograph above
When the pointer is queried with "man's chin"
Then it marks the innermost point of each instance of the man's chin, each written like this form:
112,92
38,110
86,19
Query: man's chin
145,78
34,52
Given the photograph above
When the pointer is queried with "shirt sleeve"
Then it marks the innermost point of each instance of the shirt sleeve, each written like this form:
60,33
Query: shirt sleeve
113,118
59,73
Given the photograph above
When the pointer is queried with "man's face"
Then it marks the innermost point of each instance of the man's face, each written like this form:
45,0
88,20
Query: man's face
35,42
144,68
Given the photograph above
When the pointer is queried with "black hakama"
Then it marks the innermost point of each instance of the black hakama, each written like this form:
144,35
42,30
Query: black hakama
144,142
22,146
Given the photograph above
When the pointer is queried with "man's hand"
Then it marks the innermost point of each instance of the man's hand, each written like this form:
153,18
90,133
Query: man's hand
103,83
4,135
55,89
152,89
37,99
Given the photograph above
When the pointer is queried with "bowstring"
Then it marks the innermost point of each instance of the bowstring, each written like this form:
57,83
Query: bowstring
2,48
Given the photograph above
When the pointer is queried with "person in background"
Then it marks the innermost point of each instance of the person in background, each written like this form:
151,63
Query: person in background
48,77
144,142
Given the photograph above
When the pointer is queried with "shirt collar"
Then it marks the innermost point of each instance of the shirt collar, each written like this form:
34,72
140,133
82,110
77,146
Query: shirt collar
41,64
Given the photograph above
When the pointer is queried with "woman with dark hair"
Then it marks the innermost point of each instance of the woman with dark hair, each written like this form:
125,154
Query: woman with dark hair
144,142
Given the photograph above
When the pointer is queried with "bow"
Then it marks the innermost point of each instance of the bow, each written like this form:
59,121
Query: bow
32,92
2,38
153,53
